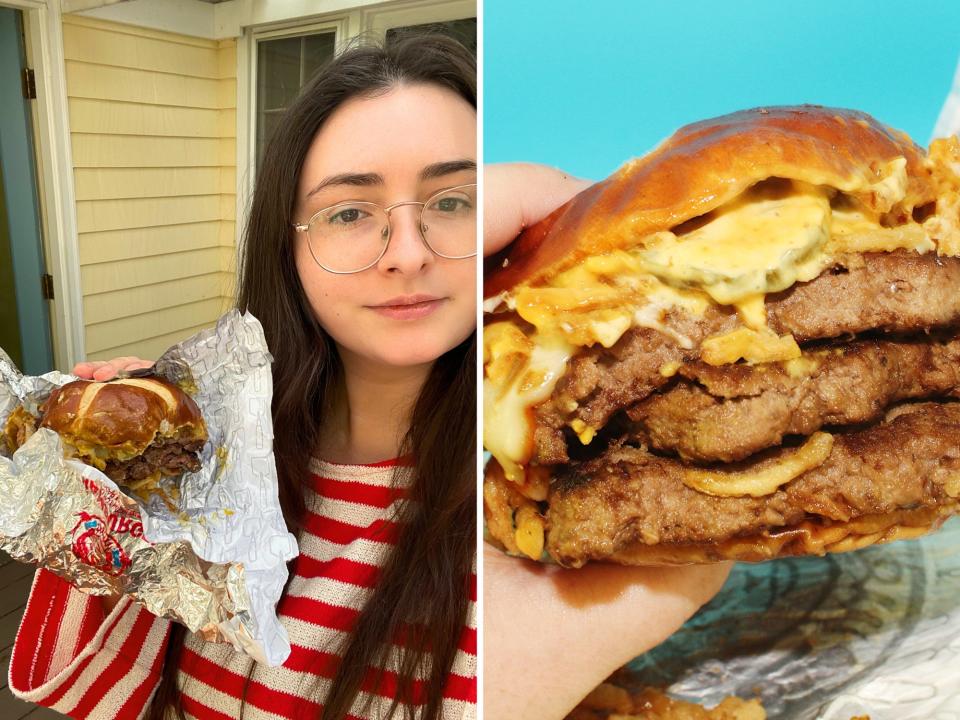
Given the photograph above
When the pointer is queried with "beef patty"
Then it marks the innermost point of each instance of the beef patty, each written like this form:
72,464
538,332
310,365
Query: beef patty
170,456
628,496
728,413
899,291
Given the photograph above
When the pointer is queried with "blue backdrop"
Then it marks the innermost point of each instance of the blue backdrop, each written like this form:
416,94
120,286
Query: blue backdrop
587,85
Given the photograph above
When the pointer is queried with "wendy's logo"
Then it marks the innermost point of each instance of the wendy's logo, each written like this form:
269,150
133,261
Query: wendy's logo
96,546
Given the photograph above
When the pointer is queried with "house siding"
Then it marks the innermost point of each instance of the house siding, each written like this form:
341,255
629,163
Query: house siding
153,136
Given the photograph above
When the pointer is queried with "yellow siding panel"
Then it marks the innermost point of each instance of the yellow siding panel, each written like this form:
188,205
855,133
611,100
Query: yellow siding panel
115,183
103,336
230,261
128,29
228,152
229,298
152,348
134,301
103,82
124,118
128,46
227,94
228,234
130,151
228,207
227,58
115,245
153,132
99,215
228,179
104,277
227,123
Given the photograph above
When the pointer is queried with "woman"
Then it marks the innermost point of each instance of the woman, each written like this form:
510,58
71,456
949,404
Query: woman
359,262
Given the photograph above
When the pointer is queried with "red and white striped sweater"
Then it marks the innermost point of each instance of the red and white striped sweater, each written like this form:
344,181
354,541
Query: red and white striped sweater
70,657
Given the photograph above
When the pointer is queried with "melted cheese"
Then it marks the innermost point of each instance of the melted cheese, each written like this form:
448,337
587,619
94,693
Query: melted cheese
600,299
751,345
531,529
669,369
855,231
892,185
766,479
583,431
763,242
508,396
943,161
801,367
753,311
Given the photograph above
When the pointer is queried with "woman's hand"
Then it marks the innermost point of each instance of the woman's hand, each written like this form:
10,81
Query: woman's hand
102,370
551,635
516,195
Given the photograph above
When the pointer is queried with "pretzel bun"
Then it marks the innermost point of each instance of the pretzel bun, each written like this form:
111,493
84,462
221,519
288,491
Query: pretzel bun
706,164
118,420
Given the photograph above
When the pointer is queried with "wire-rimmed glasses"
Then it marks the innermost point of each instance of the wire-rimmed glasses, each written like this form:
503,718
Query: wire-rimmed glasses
352,236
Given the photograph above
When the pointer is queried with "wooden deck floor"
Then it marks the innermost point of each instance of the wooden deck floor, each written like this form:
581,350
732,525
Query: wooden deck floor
15,580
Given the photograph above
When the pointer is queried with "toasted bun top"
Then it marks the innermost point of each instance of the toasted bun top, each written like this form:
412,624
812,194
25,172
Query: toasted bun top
707,164
127,414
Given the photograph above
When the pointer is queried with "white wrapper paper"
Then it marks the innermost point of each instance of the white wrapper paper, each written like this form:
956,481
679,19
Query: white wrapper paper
215,562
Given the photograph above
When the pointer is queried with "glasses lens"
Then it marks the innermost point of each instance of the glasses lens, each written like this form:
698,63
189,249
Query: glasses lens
348,237
450,222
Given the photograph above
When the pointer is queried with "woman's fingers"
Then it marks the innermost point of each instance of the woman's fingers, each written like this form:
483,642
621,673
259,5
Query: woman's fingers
516,195
102,370
564,631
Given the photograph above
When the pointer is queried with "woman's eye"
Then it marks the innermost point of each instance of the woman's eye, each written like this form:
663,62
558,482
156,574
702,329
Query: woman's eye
451,204
347,216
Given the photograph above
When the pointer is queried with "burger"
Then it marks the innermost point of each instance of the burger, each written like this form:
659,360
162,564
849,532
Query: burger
743,345
135,430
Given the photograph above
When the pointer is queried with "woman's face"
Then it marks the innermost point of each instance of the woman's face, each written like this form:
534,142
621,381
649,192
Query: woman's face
412,305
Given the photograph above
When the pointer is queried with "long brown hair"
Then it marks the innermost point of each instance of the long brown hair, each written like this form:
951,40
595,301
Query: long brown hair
423,591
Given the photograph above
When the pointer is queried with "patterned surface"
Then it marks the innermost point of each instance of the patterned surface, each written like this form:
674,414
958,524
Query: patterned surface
875,631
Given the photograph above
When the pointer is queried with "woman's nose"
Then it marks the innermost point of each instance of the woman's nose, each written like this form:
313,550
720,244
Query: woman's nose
406,251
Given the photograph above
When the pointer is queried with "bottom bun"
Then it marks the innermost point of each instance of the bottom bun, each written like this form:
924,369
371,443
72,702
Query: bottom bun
808,538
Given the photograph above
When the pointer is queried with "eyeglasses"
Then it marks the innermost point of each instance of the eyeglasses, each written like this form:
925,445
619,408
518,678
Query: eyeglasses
352,236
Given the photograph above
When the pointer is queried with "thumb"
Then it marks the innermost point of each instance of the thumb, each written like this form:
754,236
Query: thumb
517,195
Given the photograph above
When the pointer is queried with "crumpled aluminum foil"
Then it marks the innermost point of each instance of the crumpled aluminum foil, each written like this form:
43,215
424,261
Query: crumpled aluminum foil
873,632
216,559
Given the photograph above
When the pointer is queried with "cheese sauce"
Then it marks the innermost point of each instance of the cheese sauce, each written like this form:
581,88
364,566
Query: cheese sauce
766,240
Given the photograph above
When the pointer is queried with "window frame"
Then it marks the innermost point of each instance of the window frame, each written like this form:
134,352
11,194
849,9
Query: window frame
339,26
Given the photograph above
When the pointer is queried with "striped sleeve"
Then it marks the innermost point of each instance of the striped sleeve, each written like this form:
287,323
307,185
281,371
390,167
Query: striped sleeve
72,657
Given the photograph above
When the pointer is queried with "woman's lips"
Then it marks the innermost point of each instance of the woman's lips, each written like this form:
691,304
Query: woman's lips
409,308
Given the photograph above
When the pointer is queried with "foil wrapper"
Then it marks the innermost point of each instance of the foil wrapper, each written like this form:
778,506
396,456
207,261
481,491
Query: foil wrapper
874,632
212,556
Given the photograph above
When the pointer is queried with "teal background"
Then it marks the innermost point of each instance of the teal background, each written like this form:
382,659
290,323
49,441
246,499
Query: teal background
586,86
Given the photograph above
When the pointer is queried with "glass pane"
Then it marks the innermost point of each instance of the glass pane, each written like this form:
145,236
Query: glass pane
465,31
278,72
317,52
284,66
